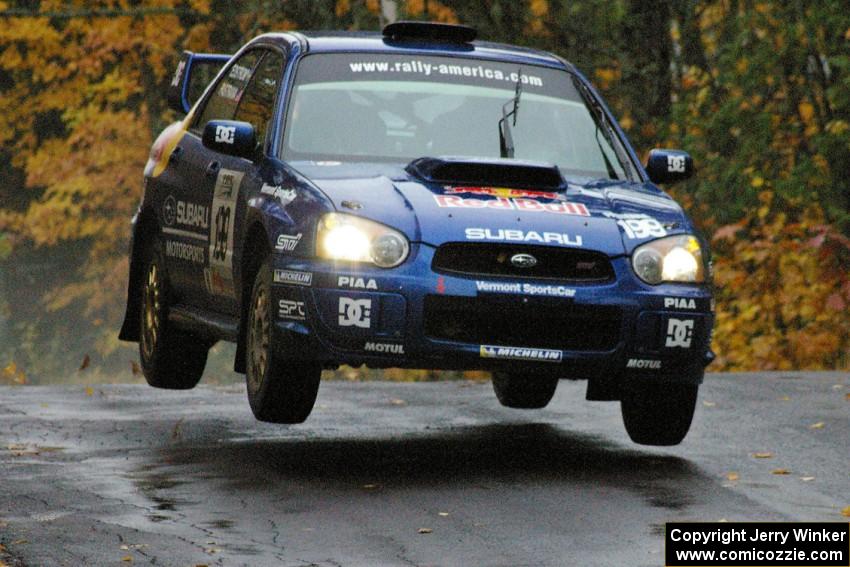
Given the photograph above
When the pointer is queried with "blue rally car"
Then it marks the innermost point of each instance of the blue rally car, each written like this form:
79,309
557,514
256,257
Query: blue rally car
415,199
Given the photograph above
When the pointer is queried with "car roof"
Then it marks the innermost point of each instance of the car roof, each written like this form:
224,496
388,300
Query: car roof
375,42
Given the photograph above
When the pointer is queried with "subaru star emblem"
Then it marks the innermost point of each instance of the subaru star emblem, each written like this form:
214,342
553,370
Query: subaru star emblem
523,260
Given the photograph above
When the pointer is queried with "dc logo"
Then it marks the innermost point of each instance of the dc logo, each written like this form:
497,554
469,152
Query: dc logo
169,210
680,333
355,312
226,134
676,164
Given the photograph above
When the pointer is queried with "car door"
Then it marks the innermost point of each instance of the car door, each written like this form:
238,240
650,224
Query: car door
236,180
188,211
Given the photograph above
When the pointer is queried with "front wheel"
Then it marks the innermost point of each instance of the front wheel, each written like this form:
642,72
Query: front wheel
659,414
279,390
170,359
522,391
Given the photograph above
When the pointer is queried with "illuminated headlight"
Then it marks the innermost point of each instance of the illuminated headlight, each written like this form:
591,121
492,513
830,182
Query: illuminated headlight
672,259
346,237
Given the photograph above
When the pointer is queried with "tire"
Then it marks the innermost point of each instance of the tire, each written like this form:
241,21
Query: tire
170,359
279,390
659,414
522,391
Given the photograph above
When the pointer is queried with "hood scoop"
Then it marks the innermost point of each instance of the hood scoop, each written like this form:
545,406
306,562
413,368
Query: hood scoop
482,171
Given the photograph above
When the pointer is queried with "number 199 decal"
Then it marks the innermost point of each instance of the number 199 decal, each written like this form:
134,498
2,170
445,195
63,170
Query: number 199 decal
219,276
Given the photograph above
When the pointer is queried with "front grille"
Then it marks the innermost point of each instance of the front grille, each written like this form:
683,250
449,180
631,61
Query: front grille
566,264
522,321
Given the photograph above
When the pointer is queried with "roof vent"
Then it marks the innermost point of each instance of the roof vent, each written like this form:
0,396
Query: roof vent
430,31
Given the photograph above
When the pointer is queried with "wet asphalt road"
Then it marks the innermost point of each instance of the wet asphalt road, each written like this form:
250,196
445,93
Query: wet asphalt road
189,478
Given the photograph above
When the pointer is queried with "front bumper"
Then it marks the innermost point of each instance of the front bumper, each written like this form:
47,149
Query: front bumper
414,317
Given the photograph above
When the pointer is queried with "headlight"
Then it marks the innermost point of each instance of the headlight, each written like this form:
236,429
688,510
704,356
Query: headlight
346,237
672,259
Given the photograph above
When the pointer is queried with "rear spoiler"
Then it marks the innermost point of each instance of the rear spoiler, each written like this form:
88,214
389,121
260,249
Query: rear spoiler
178,90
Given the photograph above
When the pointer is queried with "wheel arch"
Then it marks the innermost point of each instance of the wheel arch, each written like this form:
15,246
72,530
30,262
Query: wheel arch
145,227
256,248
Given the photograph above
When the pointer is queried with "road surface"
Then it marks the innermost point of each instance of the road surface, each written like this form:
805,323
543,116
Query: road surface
403,474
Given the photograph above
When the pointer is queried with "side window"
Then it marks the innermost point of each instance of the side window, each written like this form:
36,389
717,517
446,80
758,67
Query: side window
222,103
257,104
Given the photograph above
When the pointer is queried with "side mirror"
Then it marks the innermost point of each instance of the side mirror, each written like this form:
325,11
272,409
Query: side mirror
231,137
669,166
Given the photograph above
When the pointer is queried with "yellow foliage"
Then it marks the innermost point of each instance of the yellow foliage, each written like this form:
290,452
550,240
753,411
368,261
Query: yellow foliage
781,292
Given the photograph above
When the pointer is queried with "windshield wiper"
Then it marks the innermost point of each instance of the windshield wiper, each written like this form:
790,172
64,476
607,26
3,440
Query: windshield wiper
506,139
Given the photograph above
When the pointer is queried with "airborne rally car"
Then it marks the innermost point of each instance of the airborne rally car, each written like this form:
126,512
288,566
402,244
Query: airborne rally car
415,199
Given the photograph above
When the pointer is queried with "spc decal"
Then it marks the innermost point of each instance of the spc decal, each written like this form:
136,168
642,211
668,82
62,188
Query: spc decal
504,203
283,196
638,225
291,309
219,276
505,192
287,242
524,289
293,277
513,235
384,348
680,333
519,353
352,282
680,303
643,364
355,312
186,252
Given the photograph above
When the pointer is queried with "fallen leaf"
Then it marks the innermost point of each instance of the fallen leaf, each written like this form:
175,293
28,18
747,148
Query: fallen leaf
370,486
818,425
785,399
127,558
89,391
733,476
134,366
397,402
837,386
175,432
807,478
764,455
20,542
429,530
846,512
85,364
780,471
124,547
2,548
709,404
847,397
443,514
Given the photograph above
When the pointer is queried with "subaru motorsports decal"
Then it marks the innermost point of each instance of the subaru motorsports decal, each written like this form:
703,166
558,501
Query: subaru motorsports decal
519,353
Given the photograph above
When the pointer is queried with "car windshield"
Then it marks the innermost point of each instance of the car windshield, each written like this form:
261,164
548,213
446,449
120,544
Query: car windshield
375,107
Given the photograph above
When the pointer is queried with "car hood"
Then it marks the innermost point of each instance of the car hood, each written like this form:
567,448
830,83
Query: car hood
593,214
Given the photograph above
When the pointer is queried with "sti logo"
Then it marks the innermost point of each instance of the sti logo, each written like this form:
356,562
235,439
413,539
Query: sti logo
225,134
